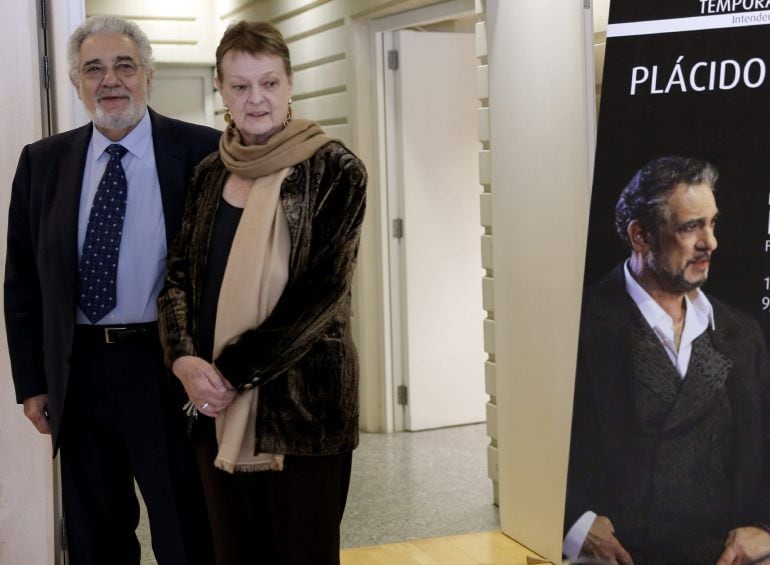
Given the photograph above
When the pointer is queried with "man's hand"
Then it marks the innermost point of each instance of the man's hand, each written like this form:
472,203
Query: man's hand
205,386
744,545
36,410
602,543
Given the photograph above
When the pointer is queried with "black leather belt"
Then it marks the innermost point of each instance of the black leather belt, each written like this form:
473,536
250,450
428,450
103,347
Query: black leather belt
117,333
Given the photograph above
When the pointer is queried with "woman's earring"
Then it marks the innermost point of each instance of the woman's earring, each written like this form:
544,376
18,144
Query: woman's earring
289,115
228,116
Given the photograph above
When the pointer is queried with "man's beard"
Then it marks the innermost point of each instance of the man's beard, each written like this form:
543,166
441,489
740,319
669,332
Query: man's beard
120,120
675,281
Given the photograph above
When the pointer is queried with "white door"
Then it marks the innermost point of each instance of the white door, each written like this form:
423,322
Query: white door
439,303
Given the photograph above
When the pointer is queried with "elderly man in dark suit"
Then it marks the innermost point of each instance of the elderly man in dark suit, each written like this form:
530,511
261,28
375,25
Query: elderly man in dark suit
670,423
92,213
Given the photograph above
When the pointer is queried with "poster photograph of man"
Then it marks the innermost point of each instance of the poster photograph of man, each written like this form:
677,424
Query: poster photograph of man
670,444
672,396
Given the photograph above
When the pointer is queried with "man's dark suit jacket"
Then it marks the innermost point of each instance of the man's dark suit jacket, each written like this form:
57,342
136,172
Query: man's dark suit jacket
41,271
604,412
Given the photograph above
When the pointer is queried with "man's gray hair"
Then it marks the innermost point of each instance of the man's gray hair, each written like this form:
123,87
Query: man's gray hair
107,24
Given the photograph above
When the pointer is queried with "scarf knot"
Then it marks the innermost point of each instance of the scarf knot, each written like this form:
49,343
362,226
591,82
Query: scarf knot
298,141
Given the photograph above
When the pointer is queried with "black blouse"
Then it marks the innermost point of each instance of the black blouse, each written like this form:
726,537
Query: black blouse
222,235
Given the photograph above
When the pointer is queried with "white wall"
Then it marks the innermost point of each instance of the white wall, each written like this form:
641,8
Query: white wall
26,494
539,122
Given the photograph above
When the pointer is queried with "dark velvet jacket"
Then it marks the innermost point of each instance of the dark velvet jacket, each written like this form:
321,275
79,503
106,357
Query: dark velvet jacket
302,356
608,467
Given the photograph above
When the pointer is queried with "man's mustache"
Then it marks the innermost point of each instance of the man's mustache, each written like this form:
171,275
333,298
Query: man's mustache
700,257
109,93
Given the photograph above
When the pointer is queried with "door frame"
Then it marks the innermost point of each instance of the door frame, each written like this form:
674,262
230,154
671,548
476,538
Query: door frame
390,206
67,113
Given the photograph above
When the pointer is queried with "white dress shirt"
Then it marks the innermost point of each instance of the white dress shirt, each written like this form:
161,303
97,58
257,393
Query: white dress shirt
142,256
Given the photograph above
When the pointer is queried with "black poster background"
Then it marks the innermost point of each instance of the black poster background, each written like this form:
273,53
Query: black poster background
729,128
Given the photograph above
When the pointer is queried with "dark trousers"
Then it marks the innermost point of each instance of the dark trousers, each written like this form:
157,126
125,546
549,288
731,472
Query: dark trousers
289,517
119,425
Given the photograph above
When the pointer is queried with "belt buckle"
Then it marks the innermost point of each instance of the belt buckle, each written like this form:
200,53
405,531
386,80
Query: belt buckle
107,338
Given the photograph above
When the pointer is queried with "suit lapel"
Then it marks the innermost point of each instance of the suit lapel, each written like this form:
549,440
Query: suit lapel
606,332
706,376
170,160
654,371
66,205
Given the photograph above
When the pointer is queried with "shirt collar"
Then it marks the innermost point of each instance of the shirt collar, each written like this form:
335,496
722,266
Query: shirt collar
698,304
136,141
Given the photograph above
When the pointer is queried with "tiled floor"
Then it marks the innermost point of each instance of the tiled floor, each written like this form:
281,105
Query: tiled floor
412,485
419,485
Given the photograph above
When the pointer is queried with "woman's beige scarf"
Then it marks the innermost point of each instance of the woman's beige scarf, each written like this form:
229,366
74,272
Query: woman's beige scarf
257,271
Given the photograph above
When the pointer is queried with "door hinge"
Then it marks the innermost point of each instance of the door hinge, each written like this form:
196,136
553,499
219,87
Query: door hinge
62,535
403,396
398,228
587,4
46,72
393,60
43,15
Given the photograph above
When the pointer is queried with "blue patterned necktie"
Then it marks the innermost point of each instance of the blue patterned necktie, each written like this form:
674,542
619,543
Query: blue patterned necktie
99,260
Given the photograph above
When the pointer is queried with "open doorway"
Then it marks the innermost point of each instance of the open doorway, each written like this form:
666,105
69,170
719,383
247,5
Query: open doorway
430,170
426,102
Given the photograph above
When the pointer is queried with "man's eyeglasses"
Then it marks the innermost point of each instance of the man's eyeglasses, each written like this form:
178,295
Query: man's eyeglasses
121,69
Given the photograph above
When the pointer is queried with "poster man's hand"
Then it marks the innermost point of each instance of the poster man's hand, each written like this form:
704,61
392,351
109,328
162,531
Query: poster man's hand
602,543
744,545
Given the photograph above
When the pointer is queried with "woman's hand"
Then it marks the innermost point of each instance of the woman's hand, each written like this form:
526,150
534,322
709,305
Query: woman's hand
208,390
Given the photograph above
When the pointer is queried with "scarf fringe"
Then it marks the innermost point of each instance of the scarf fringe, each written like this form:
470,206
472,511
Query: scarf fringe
275,463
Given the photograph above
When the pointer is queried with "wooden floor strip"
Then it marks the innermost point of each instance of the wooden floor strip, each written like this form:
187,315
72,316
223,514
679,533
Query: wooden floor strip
485,548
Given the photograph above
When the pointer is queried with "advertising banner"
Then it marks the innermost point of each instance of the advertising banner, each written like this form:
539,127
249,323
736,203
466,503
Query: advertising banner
690,78
669,434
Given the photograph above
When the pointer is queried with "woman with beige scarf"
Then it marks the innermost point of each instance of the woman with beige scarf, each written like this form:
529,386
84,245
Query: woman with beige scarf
255,315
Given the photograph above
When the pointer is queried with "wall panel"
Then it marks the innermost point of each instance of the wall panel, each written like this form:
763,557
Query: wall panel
332,107
181,31
318,47
272,10
314,20
540,119
167,9
321,79
27,522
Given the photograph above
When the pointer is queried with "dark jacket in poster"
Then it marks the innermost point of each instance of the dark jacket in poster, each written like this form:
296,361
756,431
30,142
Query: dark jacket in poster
615,458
